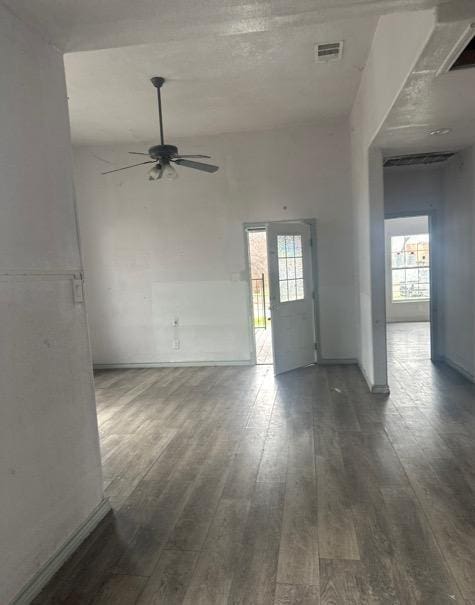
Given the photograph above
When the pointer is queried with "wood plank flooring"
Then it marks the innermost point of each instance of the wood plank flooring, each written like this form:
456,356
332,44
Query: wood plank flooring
230,486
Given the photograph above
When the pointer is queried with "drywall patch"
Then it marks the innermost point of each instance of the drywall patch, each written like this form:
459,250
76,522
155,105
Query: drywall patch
211,322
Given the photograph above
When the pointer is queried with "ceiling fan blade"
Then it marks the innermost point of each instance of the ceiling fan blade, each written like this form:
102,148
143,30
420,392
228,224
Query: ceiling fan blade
137,153
196,165
191,156
131,166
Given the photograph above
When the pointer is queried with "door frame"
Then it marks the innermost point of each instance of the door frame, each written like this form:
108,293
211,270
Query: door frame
262,225
434,266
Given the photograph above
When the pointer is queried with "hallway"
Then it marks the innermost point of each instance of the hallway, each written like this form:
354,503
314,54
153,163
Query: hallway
230,485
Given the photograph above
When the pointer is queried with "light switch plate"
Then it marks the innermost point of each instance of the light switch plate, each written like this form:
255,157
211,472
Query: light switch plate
78,292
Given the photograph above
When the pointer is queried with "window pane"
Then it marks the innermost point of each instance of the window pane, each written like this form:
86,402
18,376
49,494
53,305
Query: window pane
411,257
298,268
397,259
412,275
298,245
282,268
397,244
397,293
289,251
281,246
289,245
423,252
424,276
399,275
292,289
424,290
284,296
291,268
399,283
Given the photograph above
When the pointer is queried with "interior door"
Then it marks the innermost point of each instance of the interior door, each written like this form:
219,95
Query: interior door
291,295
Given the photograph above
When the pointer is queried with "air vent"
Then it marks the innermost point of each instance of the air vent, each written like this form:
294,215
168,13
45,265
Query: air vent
330,51
466,58
462,54
418,159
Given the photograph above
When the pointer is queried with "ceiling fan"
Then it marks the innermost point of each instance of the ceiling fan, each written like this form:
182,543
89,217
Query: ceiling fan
164,156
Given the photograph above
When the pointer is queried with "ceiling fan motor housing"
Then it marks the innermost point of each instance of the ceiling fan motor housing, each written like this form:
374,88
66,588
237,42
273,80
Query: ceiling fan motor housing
162,151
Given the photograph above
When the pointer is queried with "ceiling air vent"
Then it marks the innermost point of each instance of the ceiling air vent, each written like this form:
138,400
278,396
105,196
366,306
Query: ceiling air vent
330,51
462,55
466,58
418,159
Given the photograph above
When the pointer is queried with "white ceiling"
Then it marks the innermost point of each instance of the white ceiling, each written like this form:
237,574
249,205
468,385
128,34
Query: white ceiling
92,24
215,84
230,65
447,102
431,101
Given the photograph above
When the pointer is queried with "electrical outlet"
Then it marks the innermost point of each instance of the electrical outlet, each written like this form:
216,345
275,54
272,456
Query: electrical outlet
176,344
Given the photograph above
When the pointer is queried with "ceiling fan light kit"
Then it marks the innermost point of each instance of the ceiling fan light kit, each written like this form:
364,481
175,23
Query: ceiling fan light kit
164,156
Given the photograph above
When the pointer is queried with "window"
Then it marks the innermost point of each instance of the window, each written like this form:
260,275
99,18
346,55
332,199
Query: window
410,272
289,252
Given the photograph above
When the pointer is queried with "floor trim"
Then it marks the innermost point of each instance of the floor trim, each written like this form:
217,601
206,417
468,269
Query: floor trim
328,361
377,389
458,368
34,586
170,364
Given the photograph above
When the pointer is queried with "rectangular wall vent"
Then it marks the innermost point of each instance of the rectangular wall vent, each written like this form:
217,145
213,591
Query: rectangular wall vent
462,54
418,159
466,58
330,51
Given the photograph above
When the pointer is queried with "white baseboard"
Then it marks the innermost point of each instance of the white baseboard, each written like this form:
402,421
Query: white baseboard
170,364
47,571
380,389
458,368
328,361
377,389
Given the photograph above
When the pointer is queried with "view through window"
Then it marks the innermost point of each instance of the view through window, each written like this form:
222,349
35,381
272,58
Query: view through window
289,250
410,268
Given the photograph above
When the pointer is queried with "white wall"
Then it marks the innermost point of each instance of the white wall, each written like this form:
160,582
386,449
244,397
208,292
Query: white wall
412,189
50,475
419,189
407,310
459,262
156,251
398,41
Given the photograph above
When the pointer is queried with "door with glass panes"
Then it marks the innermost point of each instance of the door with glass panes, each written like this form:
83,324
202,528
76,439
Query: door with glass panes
291,295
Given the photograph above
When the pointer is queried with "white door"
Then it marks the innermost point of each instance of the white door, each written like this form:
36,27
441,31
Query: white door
291,295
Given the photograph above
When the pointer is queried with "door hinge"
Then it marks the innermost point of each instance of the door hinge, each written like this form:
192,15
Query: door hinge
310,242
313,294
315,345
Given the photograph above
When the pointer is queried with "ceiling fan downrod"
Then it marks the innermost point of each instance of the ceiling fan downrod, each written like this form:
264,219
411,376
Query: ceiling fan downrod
157,81
164,156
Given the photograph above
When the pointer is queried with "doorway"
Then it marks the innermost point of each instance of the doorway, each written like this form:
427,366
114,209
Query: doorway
409,291
259,283
282,298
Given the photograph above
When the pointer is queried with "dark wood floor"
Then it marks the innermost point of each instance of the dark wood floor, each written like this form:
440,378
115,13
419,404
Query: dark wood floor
232,486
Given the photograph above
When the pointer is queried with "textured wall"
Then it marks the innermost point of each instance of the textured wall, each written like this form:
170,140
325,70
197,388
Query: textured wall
50,474
156,251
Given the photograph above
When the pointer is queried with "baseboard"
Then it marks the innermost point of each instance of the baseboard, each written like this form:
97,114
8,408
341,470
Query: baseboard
458,368
170,364
380,389
47,571
377,389
328,361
